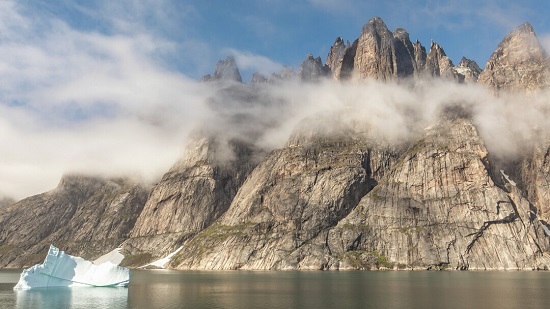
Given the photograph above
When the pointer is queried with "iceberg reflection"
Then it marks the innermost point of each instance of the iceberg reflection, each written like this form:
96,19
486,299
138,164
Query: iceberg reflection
74,298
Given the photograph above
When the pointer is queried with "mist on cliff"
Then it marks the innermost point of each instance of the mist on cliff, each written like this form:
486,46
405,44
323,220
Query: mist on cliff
116,129
75,101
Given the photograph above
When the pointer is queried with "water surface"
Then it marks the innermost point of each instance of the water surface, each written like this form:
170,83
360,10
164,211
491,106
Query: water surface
240,289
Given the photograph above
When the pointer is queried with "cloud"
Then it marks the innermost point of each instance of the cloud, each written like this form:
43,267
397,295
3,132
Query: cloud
102,102
545,41
255,63
78,100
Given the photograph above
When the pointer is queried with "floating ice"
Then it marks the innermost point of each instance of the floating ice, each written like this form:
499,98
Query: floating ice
62,270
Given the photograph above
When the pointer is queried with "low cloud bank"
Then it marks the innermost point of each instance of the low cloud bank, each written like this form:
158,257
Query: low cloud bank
77,101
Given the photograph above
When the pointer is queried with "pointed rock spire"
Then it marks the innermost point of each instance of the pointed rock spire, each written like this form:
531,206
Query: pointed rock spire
518,63
468,70
403,50
374,56
312,69
336,56
438,64
226,70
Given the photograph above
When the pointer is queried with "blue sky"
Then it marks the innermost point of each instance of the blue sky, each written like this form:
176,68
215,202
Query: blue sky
83,83
268,33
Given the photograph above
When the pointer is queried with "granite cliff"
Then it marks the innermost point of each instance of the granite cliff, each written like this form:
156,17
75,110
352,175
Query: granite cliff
87,216
337,194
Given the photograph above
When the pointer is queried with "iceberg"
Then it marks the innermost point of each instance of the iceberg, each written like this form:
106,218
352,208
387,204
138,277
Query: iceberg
63,270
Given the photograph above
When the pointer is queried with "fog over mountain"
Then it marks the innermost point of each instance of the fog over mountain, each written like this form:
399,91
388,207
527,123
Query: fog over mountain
385,155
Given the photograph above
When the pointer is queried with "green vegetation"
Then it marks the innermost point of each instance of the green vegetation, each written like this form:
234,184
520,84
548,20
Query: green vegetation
361,259
412,229
5,248
210,238
136,260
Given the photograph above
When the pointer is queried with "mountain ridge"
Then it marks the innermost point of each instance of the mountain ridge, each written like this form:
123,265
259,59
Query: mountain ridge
336,195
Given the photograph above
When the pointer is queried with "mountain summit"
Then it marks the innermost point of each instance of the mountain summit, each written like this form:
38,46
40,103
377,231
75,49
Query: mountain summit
339,194
519,62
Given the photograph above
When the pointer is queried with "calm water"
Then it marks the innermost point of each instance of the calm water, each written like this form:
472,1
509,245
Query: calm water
239,289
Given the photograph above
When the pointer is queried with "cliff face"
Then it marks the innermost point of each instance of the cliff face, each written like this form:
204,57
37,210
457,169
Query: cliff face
347,201
296,193
442,206
191,196
384,55
84,215
335,196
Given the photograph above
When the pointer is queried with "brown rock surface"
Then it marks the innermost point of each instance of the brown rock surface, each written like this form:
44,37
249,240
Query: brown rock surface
85,215
518,63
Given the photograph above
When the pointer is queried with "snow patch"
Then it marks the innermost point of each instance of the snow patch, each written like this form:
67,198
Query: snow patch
513,183
63,270
114,257
160,263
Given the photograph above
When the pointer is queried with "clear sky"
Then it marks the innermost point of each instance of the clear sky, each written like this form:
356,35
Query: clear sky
90,82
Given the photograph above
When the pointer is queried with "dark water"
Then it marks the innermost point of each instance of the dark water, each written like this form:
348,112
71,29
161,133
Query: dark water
239,289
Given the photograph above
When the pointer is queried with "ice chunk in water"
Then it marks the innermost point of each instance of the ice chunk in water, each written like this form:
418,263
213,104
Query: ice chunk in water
61,269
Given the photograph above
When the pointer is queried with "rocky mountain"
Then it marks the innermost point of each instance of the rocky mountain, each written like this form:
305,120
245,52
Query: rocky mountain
337,195
518,63
469,69
87,216
226,70
384,55
190,197
442,206
312,69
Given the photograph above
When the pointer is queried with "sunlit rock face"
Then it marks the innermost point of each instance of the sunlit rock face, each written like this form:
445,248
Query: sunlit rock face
291,197
196,191
337,195
519,63
442,206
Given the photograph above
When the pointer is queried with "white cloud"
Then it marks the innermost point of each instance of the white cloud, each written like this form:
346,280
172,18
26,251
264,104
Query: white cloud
545,41
78,100
255,63
74,100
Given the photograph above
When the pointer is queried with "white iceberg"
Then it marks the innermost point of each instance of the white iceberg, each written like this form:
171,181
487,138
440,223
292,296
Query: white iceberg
62,270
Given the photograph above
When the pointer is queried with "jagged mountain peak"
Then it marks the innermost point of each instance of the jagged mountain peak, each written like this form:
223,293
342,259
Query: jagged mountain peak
525,28
312,69
226,70
401,34
469,69
518,63
376,25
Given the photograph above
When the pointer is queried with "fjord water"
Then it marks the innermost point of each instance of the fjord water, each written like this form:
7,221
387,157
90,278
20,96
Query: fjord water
291,289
